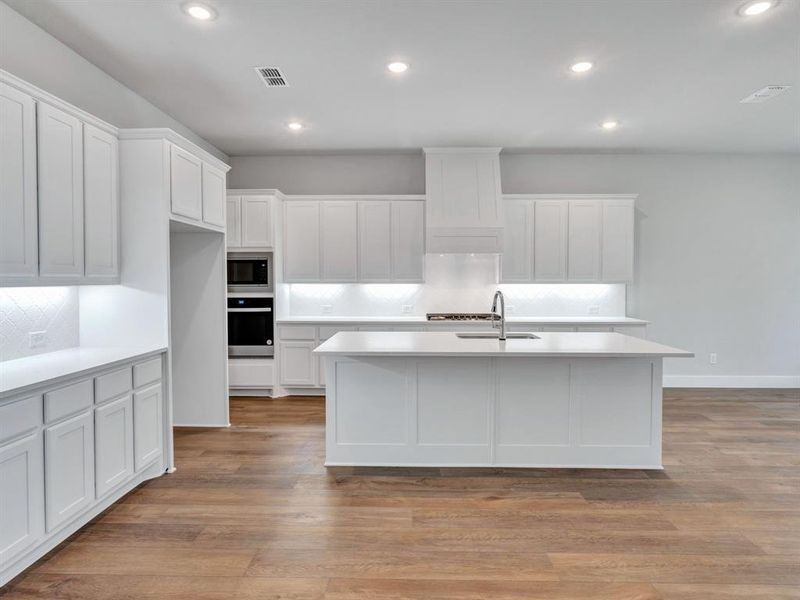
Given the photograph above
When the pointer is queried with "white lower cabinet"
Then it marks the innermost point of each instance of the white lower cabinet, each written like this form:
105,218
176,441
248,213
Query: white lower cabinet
298,363
147,425
21,496
68,468
113,444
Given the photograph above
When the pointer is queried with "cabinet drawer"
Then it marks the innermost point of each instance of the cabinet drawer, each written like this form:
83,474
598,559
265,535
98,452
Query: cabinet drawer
111,385
297,332
68,400
326,333
20,417
250,373
147,372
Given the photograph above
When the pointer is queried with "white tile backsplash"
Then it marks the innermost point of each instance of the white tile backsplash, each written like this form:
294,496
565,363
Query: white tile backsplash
53,310
453,283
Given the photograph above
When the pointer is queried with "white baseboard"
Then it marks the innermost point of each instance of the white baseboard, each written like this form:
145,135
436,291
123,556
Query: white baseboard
732,381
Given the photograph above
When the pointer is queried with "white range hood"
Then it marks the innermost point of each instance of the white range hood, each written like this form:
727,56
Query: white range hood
463,207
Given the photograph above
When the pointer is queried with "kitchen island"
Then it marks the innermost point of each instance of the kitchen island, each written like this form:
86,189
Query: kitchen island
582,400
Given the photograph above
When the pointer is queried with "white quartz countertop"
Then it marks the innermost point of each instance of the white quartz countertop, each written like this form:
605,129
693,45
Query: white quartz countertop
417,320
442,343
21,374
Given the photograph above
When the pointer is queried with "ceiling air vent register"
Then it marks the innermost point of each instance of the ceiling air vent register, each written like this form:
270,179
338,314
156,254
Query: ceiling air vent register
765,94
272,76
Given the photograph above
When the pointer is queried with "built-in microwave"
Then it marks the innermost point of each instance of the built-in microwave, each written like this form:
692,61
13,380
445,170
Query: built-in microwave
250,326
249,273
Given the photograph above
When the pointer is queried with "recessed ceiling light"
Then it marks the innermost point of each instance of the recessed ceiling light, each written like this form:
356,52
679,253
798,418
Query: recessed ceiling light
609,125
751,9
582,67
397,67
201,12
295,125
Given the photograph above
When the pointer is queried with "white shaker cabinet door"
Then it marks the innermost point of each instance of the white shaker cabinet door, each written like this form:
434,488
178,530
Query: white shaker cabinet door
186,184
101,203
339,240
233,221
515,262
584,240
408,241
18,211
301,242
113,444
375,241
69,468
60,164
550,240
21,496
618,227
298,364
213,196
147,425
256,222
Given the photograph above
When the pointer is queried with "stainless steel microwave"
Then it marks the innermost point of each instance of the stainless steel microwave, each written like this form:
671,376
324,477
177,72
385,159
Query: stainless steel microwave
249,273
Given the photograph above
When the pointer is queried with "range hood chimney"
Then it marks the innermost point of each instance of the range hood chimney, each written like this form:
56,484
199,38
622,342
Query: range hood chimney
463,205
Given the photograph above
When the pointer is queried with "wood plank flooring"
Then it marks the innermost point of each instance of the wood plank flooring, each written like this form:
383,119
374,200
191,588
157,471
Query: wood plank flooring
251,513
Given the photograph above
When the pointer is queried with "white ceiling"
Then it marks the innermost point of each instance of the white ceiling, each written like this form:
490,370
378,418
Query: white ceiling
489,73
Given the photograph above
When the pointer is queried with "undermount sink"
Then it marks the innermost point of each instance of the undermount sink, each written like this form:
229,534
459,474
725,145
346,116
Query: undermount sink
514,335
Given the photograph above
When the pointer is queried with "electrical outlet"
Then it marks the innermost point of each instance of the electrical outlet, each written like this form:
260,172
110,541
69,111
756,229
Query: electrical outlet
37,339
594,310
408,309
712,358
327,309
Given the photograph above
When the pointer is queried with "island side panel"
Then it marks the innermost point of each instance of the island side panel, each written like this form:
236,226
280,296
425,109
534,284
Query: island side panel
508,411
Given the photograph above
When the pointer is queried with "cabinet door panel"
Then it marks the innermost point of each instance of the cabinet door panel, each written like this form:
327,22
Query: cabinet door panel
515,262
113,444
213,196
339,240
101,202
21,496
60,149
147,426
375,241
408,241
256,222
233,222
301,241
584,240
298,364
550,240
618,227
69,468
186,184
18,211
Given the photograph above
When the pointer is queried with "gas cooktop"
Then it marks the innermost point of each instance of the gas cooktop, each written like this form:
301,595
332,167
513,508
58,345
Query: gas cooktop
460,316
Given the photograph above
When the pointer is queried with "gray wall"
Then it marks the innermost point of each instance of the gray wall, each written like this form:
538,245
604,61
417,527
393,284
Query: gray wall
718,257
32,54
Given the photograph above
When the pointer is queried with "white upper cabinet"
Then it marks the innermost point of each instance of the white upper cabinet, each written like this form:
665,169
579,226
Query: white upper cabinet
375,241
213,196
584,240
515,262
408,241
101,203
464,202
60,149
618,228
256,222
186,184
233,221
18,211
550,240
301,244
339,240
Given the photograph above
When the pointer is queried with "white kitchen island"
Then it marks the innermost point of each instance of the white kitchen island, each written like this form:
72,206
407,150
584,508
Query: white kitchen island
583,400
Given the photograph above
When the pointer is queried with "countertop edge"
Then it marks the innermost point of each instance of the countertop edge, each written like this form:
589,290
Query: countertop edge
511,353
589,321
134,354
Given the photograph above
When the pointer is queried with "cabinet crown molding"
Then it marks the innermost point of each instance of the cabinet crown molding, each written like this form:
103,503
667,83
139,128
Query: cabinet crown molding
172,136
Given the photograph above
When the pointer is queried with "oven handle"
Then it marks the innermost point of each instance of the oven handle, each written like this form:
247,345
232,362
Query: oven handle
250,310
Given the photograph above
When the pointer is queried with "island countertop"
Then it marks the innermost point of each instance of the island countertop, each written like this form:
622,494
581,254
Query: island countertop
435,343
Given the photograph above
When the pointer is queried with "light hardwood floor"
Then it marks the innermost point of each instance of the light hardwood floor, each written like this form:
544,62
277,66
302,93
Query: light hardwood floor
251,513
